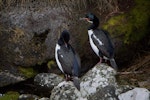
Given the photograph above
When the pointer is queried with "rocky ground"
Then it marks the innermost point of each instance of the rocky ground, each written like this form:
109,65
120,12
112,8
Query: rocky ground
99,83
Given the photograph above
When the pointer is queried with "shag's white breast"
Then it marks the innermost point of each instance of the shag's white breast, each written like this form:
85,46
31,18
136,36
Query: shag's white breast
56,57
95,49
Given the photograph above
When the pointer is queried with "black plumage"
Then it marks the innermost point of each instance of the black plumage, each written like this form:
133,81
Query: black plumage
67,59
100,40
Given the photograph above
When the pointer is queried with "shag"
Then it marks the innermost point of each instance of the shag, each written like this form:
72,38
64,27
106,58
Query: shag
67,59
100,40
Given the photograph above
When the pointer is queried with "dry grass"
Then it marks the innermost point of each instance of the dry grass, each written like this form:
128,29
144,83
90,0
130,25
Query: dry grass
101,6
141,78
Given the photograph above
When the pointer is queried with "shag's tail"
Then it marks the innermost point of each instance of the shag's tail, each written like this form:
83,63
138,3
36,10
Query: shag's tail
113,64
76,82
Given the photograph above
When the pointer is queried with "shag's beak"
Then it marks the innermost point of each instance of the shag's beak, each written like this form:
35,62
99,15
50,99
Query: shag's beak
86,19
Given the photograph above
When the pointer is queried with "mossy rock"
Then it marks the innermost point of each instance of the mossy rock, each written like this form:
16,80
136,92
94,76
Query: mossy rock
27,72
134,24
10,96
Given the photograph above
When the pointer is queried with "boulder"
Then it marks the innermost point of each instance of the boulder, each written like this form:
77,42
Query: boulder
28,38
66,91
47,80
7,78
44,98
29,32
28,97
99,83
135,94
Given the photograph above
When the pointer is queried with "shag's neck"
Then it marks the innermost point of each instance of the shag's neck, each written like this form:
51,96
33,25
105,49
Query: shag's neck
62,42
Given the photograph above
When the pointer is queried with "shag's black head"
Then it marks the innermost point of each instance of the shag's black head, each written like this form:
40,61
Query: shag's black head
91,18
64,37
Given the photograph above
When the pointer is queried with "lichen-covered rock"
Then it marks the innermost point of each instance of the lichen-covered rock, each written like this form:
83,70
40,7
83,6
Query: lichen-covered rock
28,97
135,94
47,80
7,78
44,98
66,91
123,88
99,82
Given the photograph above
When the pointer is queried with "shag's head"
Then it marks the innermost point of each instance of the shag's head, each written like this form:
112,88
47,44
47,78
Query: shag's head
91,18
64,37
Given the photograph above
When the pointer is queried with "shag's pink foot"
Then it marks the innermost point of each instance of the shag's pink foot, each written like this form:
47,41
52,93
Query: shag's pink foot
100,60
68,78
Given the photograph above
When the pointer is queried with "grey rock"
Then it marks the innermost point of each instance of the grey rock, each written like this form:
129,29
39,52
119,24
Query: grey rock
28,37
100,78
30,31
135,94
123,88
22,39
1,95
44,98
99,83
66,91
28,97
7,78
47,80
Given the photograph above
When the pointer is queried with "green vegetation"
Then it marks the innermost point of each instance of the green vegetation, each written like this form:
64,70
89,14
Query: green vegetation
10,96
134,24
50,64
28,72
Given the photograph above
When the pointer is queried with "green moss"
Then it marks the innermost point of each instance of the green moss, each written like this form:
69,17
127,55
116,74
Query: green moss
10,96
134,24
40,63
27,72
50,64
